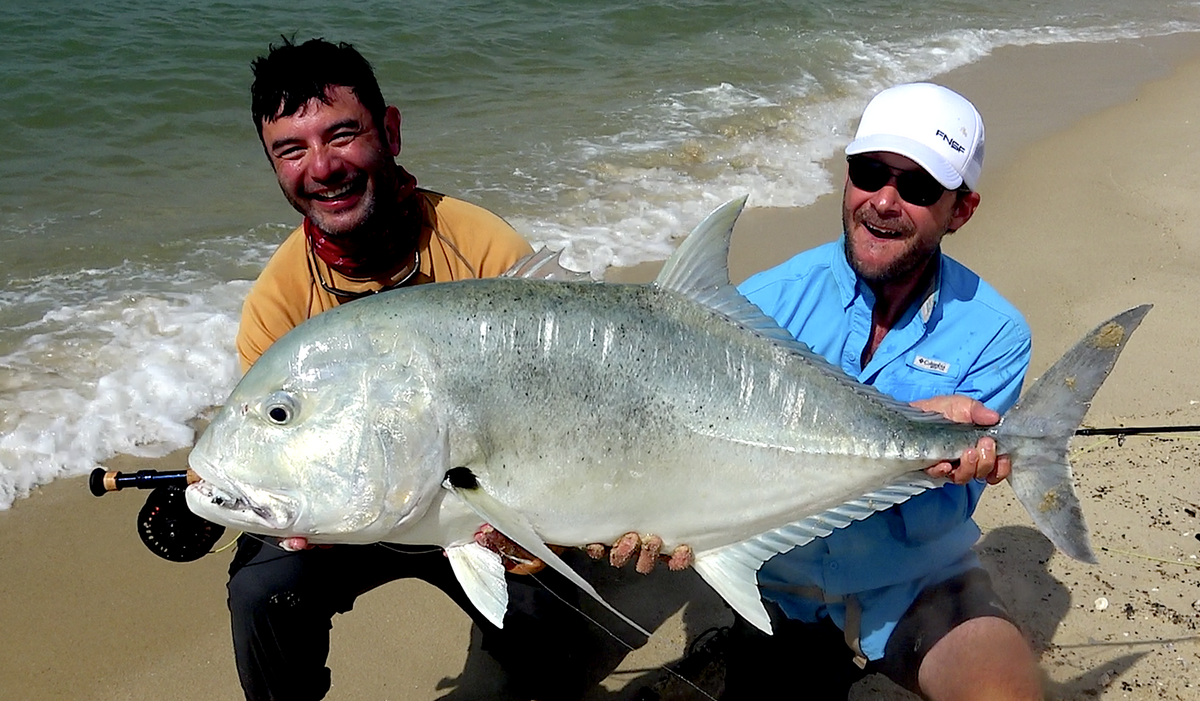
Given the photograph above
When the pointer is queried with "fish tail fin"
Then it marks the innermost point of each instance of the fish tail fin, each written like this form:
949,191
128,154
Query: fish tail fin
1038,430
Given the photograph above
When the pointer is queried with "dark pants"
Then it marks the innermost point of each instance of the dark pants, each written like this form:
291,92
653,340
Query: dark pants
282,604
811,660
815,659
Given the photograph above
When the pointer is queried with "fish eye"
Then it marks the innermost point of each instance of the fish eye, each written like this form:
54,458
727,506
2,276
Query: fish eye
280,408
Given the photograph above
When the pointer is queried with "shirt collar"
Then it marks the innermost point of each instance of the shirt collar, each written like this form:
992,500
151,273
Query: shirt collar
933,293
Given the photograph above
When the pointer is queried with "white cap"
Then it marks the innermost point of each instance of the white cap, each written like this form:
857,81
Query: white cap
934,126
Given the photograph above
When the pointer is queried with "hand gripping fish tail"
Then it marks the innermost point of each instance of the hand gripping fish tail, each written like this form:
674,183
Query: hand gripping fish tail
1036,432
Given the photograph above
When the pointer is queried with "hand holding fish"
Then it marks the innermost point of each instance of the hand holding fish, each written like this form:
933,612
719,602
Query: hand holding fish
648,550
980,462
297,543
518,560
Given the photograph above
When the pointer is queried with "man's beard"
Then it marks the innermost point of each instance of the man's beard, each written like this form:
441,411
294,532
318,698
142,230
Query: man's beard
375,206
908,264
911,261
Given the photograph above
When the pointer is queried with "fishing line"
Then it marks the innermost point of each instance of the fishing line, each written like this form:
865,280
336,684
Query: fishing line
403,551
616,637
1148,557
270,542
273,543
228,545
1185,501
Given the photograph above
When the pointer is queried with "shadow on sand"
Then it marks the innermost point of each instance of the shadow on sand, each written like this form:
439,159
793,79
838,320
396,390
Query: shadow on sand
1015,556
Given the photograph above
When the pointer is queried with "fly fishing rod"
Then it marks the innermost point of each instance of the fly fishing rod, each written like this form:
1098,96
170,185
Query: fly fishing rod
1123,432
165,524
102,482
1135,430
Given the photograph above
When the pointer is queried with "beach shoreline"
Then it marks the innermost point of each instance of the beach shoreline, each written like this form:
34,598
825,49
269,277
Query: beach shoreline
1087,209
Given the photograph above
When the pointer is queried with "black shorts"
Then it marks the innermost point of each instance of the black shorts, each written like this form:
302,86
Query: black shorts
818,654
937,611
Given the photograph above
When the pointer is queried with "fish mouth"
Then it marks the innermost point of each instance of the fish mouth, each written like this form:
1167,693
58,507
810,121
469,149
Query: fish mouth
235,507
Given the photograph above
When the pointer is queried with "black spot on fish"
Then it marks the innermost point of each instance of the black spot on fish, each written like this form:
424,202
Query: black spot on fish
462,478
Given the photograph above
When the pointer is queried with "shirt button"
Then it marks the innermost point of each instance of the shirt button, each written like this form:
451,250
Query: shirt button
833,565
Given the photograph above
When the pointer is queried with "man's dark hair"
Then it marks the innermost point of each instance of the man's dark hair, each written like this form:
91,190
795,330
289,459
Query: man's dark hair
292,74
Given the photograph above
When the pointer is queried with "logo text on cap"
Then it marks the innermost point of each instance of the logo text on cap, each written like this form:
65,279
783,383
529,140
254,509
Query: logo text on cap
953,144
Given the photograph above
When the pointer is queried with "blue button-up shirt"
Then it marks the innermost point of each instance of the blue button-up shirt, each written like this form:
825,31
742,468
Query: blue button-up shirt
960,338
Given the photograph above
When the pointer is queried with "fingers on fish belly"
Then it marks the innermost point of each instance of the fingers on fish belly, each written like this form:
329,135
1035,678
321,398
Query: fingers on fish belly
681,558
648,550
517,560
648,557
624,549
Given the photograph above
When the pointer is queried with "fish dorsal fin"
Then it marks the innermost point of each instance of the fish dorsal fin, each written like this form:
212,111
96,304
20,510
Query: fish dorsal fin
733,570
699,270
544,264
514,525
700,265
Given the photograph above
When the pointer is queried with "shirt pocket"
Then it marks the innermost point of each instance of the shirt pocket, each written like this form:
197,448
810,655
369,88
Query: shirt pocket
929,376
915,389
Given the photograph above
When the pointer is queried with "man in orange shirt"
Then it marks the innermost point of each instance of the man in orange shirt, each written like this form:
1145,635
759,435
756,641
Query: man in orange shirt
332,142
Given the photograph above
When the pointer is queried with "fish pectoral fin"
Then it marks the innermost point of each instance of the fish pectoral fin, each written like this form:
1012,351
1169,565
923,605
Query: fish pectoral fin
481,574
514,525
544,264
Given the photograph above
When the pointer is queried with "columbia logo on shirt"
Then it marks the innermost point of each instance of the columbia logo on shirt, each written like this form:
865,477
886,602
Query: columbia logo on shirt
938,366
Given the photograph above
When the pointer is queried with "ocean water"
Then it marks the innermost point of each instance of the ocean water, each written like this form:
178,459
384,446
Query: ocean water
136,205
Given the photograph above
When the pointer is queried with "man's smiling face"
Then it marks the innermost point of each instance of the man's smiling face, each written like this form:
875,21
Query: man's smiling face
888,239
335,165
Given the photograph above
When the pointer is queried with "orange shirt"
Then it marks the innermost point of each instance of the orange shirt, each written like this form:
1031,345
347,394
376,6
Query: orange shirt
458,241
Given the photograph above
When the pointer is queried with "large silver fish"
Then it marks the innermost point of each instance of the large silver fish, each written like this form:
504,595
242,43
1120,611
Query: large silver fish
573,412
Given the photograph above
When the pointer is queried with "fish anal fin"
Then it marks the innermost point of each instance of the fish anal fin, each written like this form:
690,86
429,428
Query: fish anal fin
734,576
733,570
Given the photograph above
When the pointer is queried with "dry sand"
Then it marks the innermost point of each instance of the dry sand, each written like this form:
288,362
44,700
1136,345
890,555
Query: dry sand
1089,207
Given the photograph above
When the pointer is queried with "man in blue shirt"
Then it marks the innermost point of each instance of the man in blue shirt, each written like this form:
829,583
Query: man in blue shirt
901,592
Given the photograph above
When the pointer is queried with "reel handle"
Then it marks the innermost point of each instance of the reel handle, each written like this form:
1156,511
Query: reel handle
102,482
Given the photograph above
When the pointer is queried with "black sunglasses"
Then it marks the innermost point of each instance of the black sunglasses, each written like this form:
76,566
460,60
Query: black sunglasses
915,187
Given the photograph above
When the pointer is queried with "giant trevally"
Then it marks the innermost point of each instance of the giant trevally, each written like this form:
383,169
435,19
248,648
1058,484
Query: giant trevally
572,412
